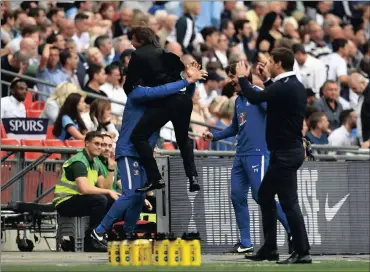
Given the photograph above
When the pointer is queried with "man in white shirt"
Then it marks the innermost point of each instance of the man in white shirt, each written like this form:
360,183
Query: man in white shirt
221,50
336,64
113,89
342,135
208,89
82,36
312,70
12,106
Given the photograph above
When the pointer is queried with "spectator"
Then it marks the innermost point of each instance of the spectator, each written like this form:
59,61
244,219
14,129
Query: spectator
167,32
187,59
49,71
113,88
313,71
361,86
342,135
97,78
12,106
209,89
29,46
211,37
211,14
121,26
56,100
67,28
336,63
125,57
56,16
317,46
17,63
39,15
69,124
226,114
120,45
213,111
198,114
20,18
290,26
82,62
270,29
57,40
94,56
100,118
221,50
318,128
256,14
185,28
227,28
29,31
107,11
82,36
354,55
7,25
104,44
244,38
311,97
69,61
329,103
318,14
229,6
175,48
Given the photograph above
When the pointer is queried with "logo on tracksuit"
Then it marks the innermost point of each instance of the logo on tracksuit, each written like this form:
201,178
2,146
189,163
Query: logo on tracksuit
241,117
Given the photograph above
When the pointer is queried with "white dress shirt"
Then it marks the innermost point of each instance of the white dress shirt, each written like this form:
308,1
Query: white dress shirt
117,94
12,108
204,97
313,73
336,66
340,137
83,42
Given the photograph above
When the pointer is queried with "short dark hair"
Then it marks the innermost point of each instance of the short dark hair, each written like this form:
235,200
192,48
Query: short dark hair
345,116
298,48
314,119
93,134
78,4
110,68
34,12
239,24
107,135
208,31
309,111
53,11
29,29
285,56
6,15
231,69
55,48
99,41
81,16
14,83
52,38
145,35
224,24
64,55
94,69
338,44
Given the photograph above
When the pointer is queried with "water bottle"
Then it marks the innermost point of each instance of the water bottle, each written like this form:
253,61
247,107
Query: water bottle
146,250
125,247
174,251
135,251
195,250
185,251
161,244
115,251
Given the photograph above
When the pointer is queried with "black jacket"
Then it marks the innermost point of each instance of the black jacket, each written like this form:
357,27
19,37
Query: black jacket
365,114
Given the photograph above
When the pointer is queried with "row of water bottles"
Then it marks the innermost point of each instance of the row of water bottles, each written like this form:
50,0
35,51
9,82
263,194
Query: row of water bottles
159,249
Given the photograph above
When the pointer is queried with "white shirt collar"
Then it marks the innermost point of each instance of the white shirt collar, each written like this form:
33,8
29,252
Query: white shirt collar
283,75
345,131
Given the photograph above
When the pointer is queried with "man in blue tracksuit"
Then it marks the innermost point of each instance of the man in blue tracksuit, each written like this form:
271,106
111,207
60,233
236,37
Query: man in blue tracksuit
250,163
132,174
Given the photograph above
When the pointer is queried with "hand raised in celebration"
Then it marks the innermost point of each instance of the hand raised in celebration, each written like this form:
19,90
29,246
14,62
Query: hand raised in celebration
193,74
208,136
242,69
262,71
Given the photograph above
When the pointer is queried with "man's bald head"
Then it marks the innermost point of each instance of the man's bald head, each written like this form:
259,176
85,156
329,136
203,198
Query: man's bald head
357,82
175,48
29,46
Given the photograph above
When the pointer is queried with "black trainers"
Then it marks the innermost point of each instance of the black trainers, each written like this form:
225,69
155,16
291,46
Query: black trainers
150,186
194,184
100,238
239,248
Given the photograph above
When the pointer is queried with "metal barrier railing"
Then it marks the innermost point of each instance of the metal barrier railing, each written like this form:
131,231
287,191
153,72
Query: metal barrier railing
35,80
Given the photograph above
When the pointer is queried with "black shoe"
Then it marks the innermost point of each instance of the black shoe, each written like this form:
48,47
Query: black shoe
263,255
295,258
95,246
290,244
99,238
194,184
240,248
150,186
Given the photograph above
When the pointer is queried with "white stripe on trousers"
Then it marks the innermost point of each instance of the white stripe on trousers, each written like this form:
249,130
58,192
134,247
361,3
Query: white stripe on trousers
128,174
262,167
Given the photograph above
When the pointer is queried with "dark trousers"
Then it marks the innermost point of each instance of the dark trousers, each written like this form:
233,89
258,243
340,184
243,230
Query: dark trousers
95,206
281,179
176,108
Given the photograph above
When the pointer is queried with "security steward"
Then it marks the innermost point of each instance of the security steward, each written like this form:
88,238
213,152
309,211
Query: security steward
107,161
82,189
286,105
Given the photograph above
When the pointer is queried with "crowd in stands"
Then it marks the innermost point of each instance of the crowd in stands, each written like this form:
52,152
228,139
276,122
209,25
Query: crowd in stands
85,47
